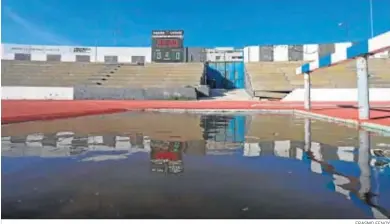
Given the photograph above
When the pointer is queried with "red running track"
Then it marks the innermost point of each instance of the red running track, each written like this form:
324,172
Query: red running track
28,110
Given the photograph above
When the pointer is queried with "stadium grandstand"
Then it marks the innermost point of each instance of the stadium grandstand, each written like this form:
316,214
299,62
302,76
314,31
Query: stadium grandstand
265,72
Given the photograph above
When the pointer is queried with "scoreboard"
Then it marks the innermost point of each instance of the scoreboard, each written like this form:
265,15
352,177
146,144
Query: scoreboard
167,46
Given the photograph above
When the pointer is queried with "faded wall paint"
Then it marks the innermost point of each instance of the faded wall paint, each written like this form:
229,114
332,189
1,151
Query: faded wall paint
195,54
69,53
306,52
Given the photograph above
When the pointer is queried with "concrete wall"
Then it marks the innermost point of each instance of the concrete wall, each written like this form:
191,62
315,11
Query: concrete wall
306,52
280,53
267,53
95,93
68,53
195,54
295,52
36,93
124,53
224,54
338,95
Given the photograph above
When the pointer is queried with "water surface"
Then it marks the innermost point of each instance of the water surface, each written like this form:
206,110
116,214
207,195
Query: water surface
152,165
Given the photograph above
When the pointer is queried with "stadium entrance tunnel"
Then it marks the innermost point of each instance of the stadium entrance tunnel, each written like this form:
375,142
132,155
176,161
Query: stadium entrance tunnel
225,75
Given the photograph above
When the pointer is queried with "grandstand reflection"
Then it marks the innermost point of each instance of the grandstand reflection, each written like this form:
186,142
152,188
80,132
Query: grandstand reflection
223,136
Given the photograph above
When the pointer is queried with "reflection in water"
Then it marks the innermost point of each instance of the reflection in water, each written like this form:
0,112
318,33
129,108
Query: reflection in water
166,157
224,146
345,184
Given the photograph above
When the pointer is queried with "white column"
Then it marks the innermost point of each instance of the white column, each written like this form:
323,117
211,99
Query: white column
363,90
307,85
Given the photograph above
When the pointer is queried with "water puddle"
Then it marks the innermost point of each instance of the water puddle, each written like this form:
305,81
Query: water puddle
161,165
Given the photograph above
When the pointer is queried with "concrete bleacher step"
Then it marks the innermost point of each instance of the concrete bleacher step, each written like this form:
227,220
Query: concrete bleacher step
140,83
59,73
270,94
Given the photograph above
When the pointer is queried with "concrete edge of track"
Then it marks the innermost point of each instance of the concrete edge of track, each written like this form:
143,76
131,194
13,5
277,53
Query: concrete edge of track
101,108
53,116
348,122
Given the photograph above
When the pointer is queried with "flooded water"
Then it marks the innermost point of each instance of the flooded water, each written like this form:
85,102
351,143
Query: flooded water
160,165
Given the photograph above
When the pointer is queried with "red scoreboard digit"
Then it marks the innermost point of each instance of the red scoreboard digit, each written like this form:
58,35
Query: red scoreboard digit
167,43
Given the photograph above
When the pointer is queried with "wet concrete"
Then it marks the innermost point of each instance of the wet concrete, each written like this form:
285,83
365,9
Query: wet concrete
160,165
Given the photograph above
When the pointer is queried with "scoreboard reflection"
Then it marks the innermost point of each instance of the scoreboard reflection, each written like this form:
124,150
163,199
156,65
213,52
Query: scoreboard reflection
166,156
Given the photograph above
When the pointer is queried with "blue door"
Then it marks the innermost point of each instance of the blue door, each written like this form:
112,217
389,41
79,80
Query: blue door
225,75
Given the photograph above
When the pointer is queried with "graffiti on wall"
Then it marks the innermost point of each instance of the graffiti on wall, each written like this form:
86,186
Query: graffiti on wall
36,49
22,49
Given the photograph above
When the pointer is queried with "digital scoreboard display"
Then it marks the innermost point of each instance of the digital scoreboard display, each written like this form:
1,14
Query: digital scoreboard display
167,43
167,46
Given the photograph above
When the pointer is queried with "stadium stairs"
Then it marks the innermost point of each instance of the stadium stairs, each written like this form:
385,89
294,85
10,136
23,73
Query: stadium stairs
274,80
271,80
109,81
33,73
152,75
43,73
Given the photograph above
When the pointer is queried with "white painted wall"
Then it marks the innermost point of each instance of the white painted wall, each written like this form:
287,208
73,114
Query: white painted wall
124,53
246,54
281,53
340,52
36,93
252,54
379,43
338,95
310,52
342,46
224,55
39,53
224,48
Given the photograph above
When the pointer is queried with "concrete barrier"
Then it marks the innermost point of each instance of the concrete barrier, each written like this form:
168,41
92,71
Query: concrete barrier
338,95
36,93
96,93
182,93
105,93
203,91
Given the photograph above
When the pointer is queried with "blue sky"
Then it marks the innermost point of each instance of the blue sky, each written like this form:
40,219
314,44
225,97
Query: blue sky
207,23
